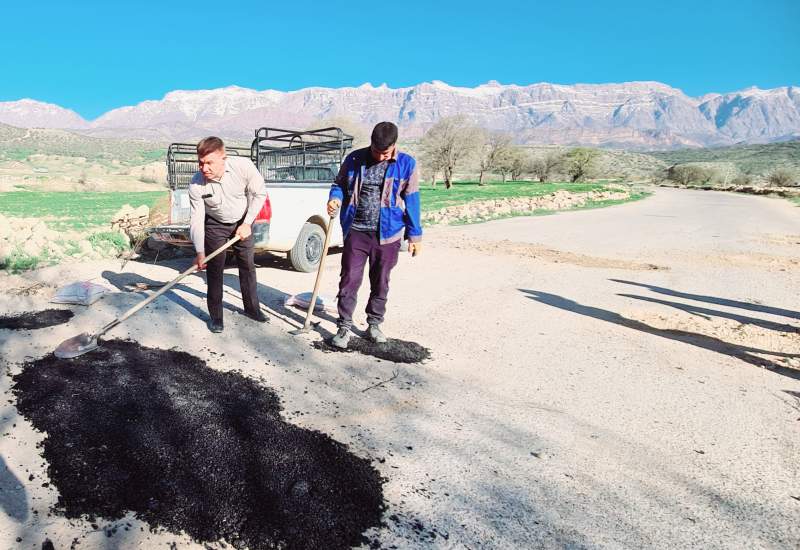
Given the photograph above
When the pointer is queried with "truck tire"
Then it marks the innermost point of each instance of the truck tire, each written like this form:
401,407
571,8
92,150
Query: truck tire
307,251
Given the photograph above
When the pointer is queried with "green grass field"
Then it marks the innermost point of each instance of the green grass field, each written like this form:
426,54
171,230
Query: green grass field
87,210
75,211
435,198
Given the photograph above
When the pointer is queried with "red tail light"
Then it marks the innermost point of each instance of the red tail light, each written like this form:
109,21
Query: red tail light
265,214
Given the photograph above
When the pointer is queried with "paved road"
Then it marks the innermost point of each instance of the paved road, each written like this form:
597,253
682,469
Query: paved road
612,378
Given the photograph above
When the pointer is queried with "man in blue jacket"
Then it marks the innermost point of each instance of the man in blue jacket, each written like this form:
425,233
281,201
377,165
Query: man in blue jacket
378,191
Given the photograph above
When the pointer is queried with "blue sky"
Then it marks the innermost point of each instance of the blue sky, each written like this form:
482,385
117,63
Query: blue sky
94,56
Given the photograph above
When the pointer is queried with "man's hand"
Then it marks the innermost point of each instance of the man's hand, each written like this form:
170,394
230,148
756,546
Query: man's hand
200,261
414,248
244,231
333,206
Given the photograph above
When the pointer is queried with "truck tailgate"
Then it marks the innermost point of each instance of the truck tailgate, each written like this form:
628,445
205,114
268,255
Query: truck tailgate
179,210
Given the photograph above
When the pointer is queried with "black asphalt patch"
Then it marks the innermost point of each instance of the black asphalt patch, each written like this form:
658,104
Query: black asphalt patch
36,319
399,351
188,448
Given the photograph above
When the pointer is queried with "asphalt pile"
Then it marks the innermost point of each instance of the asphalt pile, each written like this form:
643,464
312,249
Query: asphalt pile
191,449
36,319
398,351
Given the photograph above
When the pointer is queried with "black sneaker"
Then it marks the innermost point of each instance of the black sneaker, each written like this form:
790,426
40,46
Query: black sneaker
215,326
258,317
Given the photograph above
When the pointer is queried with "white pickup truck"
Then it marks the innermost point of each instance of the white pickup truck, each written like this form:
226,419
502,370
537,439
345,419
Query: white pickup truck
298,168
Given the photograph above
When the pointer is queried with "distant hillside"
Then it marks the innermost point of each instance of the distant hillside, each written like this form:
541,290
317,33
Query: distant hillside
58,160
747,159
49,157
20,143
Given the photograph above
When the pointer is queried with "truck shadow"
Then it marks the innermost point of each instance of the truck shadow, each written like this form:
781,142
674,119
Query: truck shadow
272,299
273,302
745,353
126,282
281,261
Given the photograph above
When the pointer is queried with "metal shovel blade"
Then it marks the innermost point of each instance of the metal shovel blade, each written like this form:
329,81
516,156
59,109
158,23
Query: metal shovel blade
75,346
304,329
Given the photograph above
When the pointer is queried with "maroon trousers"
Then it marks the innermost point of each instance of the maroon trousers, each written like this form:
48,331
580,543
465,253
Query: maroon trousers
359,247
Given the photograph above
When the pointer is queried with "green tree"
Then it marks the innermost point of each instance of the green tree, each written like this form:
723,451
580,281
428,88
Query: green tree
579,163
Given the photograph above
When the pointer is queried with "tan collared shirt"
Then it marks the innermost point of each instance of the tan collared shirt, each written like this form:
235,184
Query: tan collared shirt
240,192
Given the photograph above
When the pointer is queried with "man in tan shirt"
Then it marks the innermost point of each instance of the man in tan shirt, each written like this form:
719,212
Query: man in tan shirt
225,197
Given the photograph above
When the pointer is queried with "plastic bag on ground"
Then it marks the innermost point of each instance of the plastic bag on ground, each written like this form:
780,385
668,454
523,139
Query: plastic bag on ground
82,293
301,301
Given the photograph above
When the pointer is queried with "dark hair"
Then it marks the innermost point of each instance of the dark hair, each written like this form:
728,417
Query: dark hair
209,145
384,135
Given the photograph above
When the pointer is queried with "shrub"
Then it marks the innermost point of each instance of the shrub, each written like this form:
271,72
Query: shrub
688,174
19,261
71,248
109,240
783,177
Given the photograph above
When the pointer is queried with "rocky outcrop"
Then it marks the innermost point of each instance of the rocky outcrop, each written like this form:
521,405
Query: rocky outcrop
130,221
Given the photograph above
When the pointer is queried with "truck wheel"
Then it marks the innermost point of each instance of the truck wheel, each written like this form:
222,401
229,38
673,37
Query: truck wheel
307,251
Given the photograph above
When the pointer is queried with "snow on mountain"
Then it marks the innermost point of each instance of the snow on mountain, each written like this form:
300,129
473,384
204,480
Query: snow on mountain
630,114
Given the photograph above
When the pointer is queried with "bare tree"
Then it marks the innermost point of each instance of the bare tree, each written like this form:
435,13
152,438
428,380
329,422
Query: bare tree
579,163
448,142
494,148
782,177
519,164
432,161
544,165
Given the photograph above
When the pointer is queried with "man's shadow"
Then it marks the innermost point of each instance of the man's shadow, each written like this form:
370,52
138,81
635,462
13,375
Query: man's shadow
13,501
745,353
707,313
714,300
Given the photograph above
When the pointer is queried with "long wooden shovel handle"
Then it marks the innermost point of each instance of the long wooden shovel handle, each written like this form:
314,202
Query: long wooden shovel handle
319,274
165,288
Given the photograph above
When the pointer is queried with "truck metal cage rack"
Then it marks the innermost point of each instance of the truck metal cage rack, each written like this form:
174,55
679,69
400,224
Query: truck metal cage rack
300,156
182,162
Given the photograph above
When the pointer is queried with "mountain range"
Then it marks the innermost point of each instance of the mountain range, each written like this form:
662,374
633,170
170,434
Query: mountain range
633,115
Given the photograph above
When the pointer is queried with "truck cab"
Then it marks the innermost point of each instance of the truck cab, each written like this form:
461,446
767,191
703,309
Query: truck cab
298,168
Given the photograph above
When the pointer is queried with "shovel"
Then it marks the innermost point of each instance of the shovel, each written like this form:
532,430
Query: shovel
313,303
84,343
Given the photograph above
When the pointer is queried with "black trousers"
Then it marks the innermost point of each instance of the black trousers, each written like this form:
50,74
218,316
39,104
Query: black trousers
217,234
